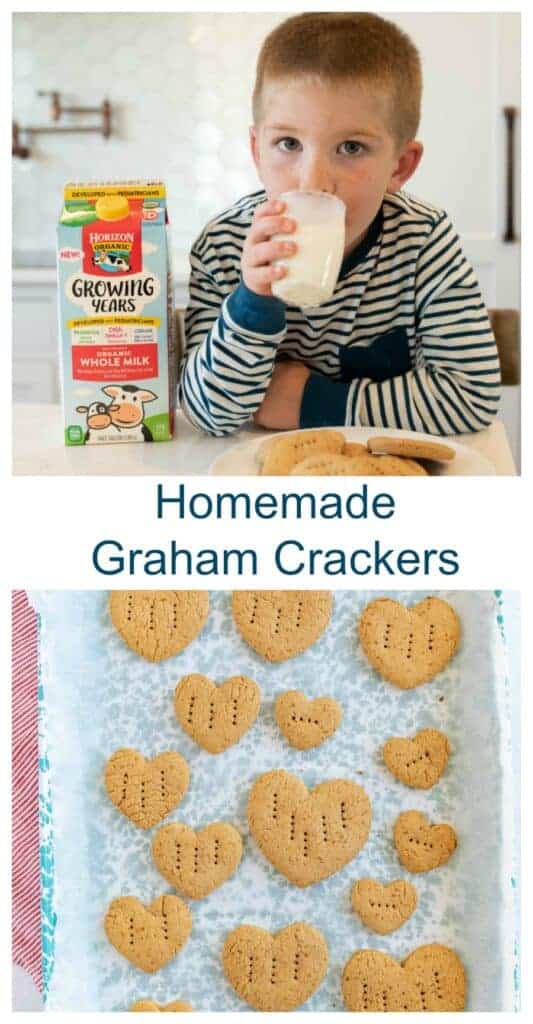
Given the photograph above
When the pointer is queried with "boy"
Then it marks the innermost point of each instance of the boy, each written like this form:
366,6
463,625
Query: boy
405,340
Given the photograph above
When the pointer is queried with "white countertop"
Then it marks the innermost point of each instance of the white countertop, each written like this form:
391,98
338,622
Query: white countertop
38,449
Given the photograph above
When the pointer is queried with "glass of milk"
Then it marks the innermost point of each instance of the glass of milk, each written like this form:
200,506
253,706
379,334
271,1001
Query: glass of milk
313,270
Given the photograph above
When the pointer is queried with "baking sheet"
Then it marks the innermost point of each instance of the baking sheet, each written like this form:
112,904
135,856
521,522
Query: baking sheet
96,696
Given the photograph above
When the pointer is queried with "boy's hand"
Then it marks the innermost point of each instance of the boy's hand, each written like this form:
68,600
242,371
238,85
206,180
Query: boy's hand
280,408
260,250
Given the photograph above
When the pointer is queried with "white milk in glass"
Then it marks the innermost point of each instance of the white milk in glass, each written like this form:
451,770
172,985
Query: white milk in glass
313,270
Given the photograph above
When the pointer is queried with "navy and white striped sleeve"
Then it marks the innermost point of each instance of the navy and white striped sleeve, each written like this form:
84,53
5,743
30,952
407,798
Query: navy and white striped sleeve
454,386
231,340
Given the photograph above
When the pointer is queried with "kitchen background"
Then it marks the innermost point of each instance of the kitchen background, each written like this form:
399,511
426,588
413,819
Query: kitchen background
179,86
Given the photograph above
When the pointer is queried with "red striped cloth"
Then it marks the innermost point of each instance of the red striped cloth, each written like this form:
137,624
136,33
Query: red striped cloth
26,891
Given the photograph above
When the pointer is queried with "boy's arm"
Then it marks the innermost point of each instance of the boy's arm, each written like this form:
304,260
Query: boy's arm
454,386
231,343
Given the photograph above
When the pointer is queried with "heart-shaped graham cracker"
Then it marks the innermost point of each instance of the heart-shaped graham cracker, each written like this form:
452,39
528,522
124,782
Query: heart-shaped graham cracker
146,791
279,624
418,762
412,448
421,846
384,908
275,972
197,863
148,1006
409,646
306,723
158,623
279,454
357,465
431,979
354,448
307,835
148,936
327,465
216,717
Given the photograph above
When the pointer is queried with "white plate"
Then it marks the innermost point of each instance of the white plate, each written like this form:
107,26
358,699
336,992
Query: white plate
243,459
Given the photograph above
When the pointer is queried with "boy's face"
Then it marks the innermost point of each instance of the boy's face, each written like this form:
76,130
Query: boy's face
330,138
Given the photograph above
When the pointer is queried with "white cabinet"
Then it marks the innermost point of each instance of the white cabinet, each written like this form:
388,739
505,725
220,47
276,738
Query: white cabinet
35,345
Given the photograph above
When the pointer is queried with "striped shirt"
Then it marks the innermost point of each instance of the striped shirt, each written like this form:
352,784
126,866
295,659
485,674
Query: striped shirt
404,342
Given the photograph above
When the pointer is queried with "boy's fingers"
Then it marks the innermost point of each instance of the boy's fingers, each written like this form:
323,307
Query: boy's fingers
268,226
260,278
272,206
264,252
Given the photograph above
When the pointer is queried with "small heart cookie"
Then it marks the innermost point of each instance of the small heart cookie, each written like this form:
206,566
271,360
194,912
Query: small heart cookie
431,979
146,791
158,623
280,454
384,908
421,846
308,836
418,762
216,717
197,863
148,936
306,723
409,646
281,623
414,449
147,1006
275,972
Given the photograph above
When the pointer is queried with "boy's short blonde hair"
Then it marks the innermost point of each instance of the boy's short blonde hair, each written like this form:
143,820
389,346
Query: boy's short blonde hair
347,45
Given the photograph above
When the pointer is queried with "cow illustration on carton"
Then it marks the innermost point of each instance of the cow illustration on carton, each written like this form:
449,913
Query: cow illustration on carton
116,313
122,419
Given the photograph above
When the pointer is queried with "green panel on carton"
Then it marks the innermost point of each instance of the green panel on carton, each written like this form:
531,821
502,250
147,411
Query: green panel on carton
159,426
77,218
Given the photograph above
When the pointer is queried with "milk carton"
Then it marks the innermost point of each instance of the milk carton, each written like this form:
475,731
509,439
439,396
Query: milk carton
119,352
